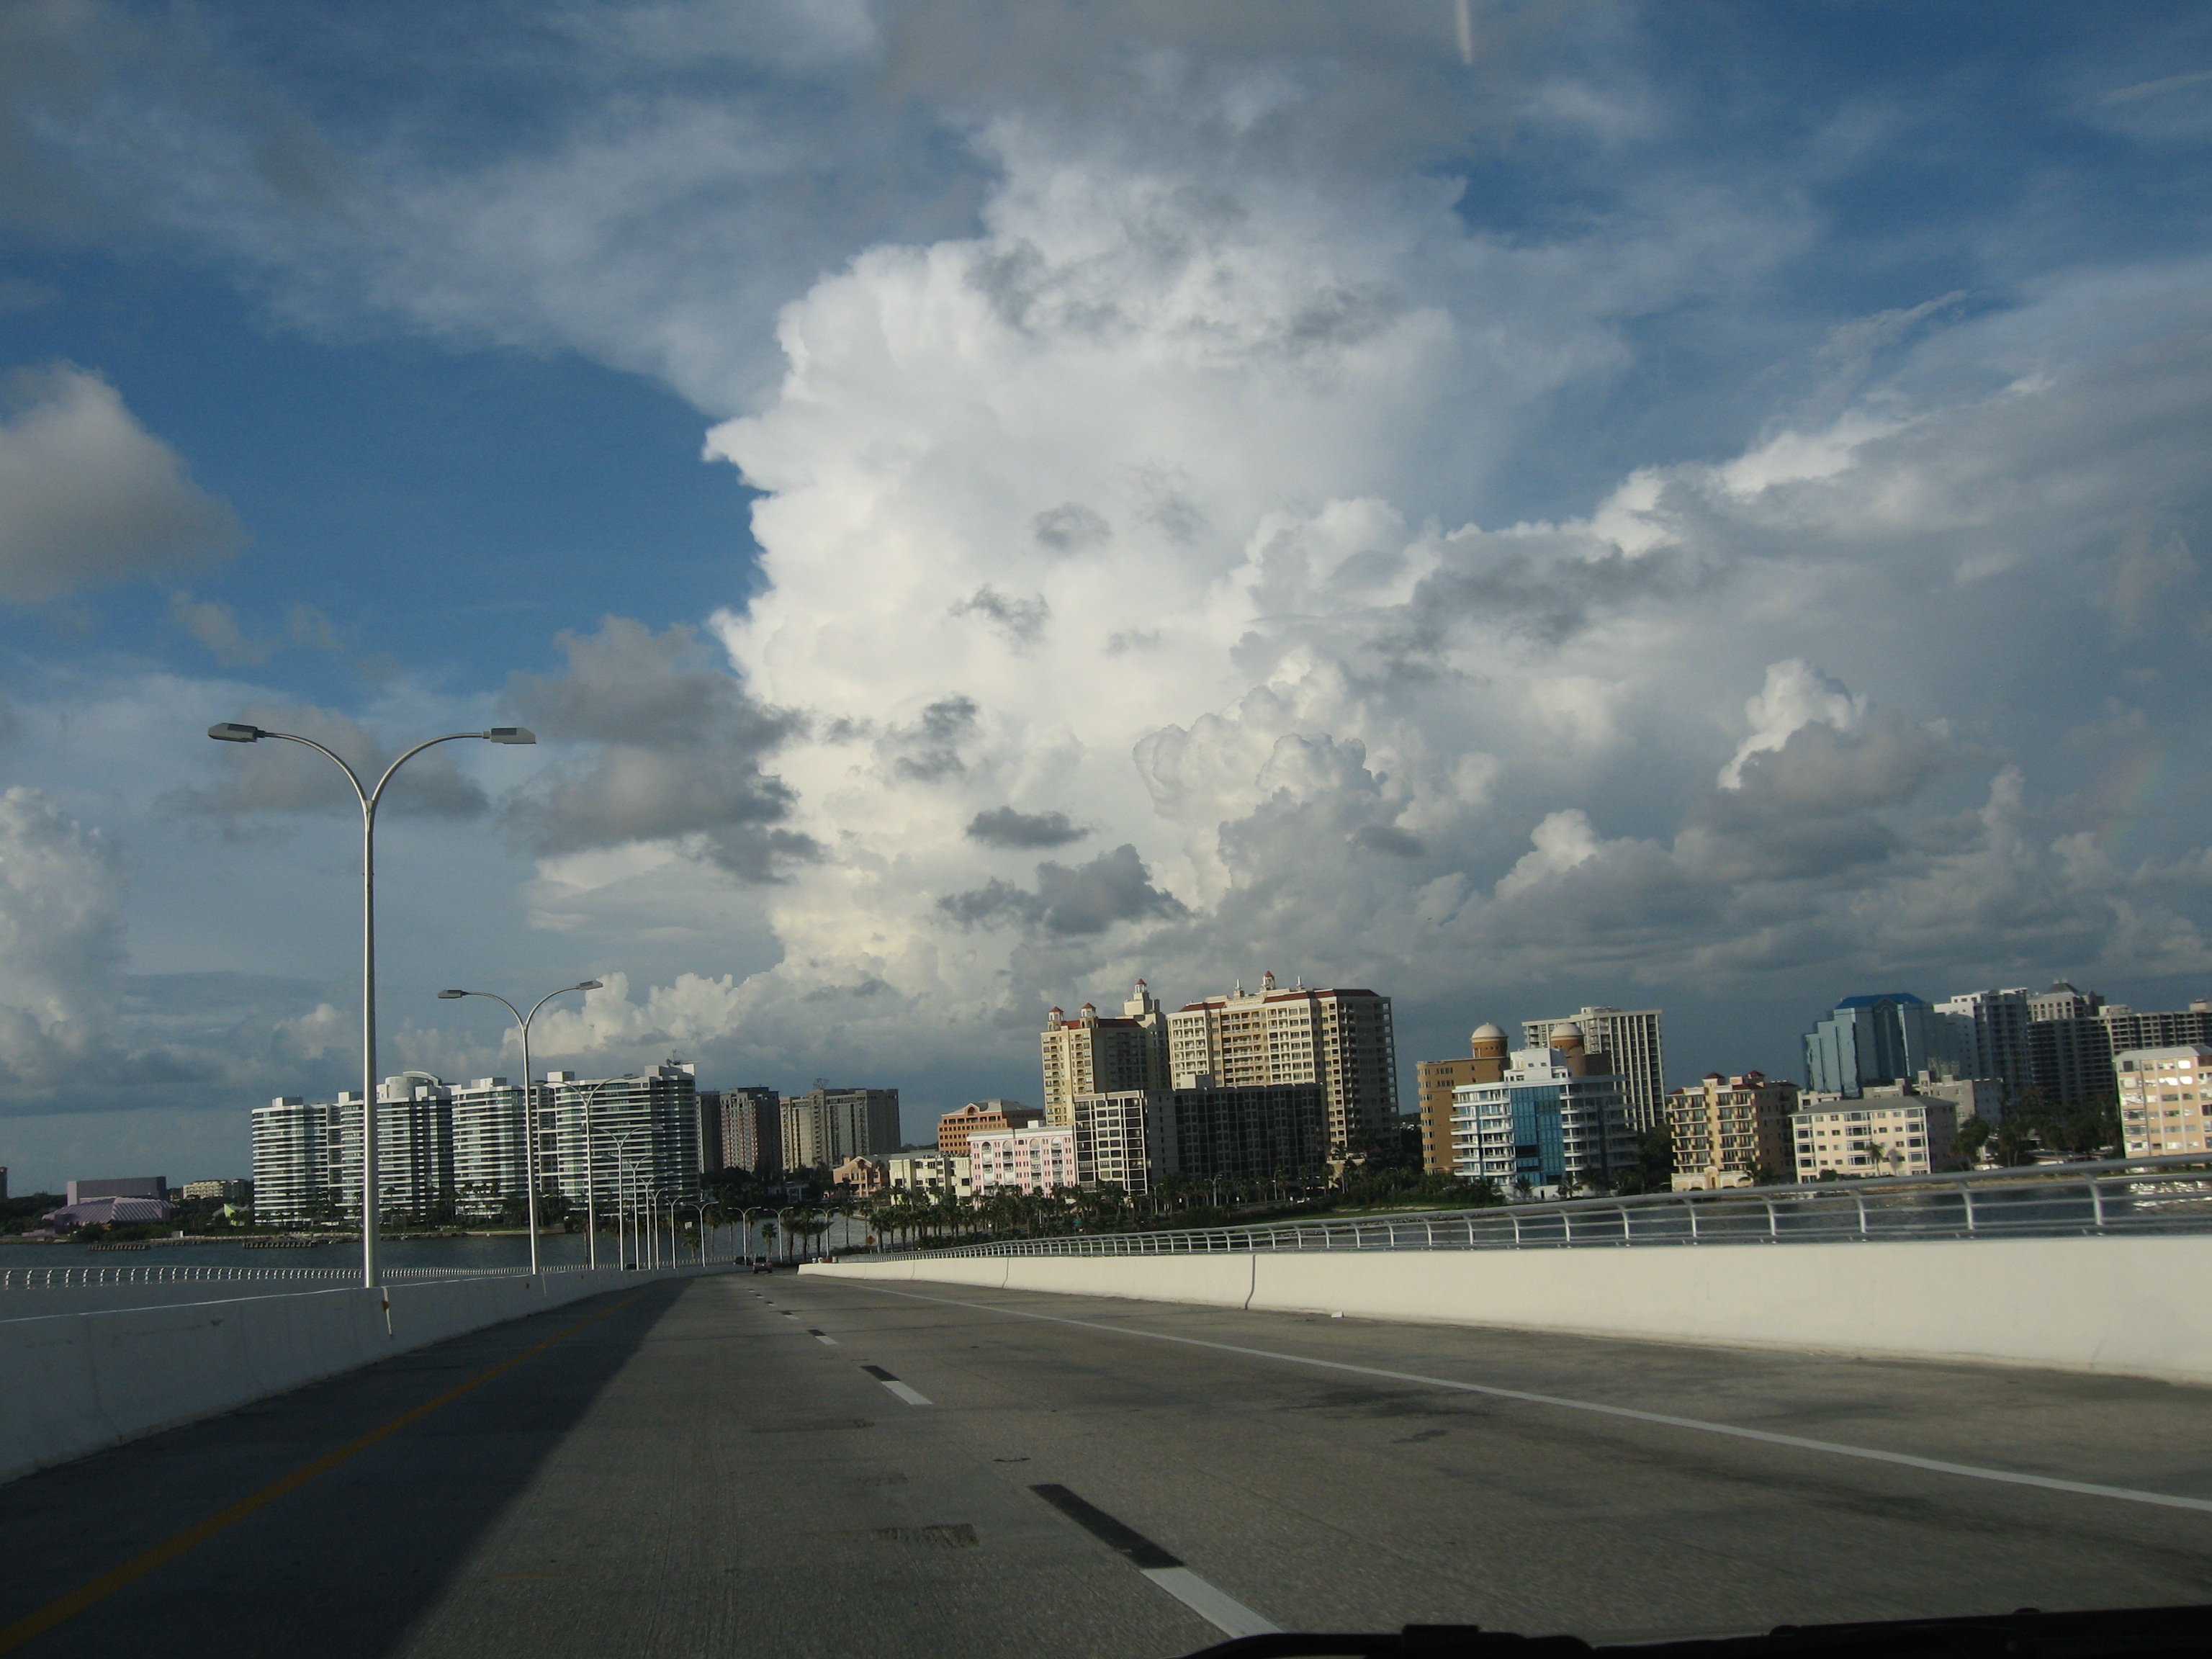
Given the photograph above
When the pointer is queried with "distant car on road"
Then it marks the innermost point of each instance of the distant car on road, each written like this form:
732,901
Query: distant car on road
763,1265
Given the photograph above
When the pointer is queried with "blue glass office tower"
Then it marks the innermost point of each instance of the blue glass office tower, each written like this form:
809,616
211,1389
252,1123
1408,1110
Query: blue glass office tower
1885,1038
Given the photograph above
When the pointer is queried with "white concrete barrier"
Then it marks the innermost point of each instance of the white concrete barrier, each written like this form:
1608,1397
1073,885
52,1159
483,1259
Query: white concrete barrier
2128,1306
74,1383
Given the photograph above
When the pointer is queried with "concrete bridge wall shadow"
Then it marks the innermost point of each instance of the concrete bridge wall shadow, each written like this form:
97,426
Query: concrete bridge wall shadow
2126,1306
76,1382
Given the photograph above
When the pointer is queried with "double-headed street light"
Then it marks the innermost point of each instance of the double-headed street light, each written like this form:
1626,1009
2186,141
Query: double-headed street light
234,732
529,1091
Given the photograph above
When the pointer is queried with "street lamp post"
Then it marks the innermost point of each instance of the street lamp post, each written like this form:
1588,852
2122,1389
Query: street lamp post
234,732
529,1093
591,1167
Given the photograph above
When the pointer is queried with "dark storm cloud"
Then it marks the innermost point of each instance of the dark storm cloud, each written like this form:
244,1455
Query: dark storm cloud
678,744
1005,827
1087,899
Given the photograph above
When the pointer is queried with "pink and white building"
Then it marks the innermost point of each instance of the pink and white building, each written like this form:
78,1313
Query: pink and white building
1023,1160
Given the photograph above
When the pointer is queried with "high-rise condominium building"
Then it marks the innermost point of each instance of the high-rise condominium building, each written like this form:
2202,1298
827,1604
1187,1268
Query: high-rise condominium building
1342,1040
1881,1038
1992,1040
954,1129
709,1103
488,1152
1095,1055
1554,1122
752,1130
614,1138
1118,1139
1270,1129
1436,1081
2166,1099
1630,1038
825,1126
1731,1131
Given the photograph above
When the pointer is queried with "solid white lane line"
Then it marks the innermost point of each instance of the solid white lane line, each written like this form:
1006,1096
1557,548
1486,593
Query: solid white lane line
1935,1465
1217,1607
909,1395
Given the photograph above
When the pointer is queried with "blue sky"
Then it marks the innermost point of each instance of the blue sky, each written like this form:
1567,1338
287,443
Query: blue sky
1697,505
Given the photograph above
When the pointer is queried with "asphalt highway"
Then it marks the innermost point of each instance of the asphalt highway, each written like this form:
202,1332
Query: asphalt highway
741,1466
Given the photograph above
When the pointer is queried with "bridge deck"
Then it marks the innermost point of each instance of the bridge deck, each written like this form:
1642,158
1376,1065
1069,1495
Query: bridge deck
697,1471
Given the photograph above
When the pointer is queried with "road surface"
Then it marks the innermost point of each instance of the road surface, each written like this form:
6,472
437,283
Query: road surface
754,1466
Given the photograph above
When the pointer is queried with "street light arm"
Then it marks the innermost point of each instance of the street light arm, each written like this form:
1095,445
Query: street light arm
368,800
376,795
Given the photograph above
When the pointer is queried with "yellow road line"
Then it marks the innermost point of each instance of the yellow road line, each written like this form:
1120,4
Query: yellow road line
68,1606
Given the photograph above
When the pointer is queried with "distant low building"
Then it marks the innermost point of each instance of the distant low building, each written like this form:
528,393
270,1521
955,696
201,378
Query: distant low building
1023,1160
2166,1099
863,1177
1730,1131
941,1175
223,1191
955,1129
153,1186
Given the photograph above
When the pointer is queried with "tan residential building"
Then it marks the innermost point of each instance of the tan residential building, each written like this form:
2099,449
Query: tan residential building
2166,1099
1434,1081
978,1116
1888,1135
1630,1038
1342,1040
863,1177
1729,1130
1100,1054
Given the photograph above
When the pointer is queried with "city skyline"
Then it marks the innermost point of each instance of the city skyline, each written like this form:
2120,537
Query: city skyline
1617,507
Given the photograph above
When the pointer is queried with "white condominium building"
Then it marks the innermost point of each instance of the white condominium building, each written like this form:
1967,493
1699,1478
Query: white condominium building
487,1153
307,1155
1885,1135
2166,1100
1023,1160
1630,1037
612,1138
1342,1040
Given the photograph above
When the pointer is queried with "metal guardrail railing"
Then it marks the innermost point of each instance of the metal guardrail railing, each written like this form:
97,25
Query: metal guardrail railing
13,1278
2140,1195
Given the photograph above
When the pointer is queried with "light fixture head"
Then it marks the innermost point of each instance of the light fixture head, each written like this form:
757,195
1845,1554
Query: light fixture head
232,731
511,734
592,985
451,996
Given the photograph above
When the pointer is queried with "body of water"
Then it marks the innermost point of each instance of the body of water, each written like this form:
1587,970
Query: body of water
498,1251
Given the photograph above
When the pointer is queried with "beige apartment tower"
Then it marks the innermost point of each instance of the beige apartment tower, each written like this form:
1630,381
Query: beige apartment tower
2166,1099
1435,1079
1729,1131
1339,1039
1095,1054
